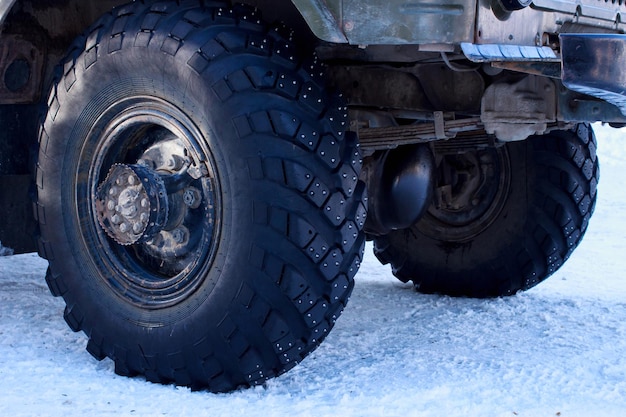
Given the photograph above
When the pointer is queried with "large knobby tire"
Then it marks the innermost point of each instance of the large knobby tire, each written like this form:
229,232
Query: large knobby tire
198,201
527,207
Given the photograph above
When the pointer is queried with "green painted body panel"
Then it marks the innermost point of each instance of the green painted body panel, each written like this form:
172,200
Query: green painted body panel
392,22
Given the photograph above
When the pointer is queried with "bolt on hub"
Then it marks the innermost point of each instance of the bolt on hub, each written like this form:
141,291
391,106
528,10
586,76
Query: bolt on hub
131,204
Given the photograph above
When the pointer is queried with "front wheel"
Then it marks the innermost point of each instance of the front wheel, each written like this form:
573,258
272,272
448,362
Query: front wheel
504,218
198,201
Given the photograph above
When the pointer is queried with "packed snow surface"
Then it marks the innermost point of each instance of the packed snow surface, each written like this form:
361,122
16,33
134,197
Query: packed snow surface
556,350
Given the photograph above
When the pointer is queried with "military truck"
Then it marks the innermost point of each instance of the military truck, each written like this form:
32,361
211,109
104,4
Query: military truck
202,175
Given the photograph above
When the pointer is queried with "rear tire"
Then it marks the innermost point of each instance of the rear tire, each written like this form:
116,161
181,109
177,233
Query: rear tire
538,206
254,235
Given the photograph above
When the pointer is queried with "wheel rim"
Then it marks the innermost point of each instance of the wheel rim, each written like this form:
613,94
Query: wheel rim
166,261
471,192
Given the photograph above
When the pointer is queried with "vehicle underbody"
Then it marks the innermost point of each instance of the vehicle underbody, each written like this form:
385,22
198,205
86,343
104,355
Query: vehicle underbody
192,160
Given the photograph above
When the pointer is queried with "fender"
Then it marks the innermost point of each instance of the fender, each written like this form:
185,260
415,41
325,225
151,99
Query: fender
389,22
324,18
5,7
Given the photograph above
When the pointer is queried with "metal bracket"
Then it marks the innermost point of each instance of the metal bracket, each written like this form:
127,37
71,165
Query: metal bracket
514,111
21,66
494,52
440,126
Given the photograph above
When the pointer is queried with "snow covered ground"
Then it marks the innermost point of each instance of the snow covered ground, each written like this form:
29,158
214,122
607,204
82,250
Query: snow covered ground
556,350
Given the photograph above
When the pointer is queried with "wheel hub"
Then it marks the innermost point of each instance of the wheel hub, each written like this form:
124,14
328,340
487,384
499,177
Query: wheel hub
151,208
472,188
132,204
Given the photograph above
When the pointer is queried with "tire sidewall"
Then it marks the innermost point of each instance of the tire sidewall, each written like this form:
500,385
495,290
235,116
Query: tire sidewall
483,265
96,89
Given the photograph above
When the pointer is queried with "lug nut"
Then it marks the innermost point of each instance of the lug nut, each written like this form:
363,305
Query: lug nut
178,235
192,197
137,227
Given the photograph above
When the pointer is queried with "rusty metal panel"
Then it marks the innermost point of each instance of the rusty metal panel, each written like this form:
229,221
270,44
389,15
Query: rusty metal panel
323,17
390,22
408,22
521,27
530,25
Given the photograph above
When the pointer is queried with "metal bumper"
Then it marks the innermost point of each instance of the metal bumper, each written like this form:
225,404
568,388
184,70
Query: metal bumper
595,64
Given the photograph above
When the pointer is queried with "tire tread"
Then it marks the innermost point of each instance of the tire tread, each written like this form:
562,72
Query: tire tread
566,173
303,283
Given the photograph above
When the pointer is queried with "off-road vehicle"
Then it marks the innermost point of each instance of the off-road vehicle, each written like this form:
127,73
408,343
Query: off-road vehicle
203,174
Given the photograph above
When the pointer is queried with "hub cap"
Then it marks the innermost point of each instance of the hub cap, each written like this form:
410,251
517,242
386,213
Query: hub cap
153,200
132,204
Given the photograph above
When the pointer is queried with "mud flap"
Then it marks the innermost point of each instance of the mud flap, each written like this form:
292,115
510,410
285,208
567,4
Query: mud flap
17,225
593,64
